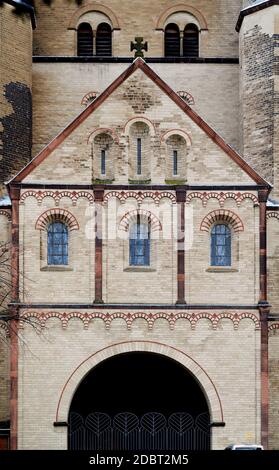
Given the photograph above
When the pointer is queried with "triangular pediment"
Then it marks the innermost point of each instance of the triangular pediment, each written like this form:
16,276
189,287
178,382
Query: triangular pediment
138,93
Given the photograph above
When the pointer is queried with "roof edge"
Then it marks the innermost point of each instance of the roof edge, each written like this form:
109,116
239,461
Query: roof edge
19,4
140,63
252,9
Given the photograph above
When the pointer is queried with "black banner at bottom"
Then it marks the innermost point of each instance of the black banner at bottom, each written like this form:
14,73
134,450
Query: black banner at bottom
129,460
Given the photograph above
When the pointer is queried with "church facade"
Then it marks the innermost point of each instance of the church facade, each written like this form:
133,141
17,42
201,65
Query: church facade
139,204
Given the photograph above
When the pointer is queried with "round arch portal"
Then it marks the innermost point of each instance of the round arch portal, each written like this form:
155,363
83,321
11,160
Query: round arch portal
119,382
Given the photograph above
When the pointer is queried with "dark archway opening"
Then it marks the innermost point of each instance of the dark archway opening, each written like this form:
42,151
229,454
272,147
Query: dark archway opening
139,401
103,40
191,41
172,41
84,40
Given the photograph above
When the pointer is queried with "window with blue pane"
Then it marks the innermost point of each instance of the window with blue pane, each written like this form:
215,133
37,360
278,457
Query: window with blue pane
139,244
57,243
221,245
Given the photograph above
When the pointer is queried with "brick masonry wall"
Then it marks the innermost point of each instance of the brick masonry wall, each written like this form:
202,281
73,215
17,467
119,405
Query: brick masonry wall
205,159
5,235
53,37
52,356
259,90
4,377
57,101
15,92
157,284
273,389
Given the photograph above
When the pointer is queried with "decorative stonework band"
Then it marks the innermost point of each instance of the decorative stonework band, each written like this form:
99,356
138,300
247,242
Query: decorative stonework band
157,196
222,215
221,197
122,196
57,196
149,317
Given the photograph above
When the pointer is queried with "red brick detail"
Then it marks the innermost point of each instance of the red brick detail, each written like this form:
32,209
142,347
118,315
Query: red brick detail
272,214
272,328
187,97
56,214
91,96
140,64
130,317
93,7
180,132
126,219
134,120
122,196
181,7
221,197
6,214
57,196
222,215
103,130
14,346
4,326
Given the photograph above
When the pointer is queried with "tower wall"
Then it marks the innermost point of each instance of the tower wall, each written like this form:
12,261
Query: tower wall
56,32
259,82
15,91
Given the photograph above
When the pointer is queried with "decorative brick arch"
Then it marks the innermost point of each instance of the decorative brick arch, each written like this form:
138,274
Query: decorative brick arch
206,383
103,130
52,215
179,132
187,97
74,196
272,328
122,196
272,215
181,7
6,214
94,7
90,96
5,328
148,215
222,215
143,119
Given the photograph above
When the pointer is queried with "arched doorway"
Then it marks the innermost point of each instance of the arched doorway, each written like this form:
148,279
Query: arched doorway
139,401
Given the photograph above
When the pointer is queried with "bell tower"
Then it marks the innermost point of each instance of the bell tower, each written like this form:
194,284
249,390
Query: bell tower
258,27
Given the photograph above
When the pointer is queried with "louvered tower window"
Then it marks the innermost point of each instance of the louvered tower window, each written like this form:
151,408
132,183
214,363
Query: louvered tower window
84,40
172,41
103,40
191,41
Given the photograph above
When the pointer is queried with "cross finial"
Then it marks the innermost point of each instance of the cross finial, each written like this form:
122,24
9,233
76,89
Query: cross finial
139,46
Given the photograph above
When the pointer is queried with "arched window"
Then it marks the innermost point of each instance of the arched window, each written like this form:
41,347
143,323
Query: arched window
172,40
103,40
139,244
221,245
191,41
57,243
174,163
140,151
176,157
84,40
